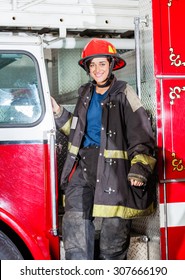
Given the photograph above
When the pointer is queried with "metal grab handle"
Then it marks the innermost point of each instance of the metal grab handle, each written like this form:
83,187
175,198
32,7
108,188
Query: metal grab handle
54,229
137,22
138,58
180,180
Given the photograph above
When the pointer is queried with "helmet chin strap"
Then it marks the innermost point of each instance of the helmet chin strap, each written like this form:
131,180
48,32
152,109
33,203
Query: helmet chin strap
109,78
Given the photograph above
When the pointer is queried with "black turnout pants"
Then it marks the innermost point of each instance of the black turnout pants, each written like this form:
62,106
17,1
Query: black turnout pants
78,227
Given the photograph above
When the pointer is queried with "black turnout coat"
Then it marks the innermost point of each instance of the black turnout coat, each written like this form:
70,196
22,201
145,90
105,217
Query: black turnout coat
126,150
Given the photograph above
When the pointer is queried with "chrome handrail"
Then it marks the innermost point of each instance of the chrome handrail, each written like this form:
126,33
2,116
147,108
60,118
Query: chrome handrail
54,229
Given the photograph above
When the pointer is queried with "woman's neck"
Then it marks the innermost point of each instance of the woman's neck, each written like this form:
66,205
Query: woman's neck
101,90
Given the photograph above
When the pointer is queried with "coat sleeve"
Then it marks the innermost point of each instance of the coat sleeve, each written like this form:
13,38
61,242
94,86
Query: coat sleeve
140,138
63,122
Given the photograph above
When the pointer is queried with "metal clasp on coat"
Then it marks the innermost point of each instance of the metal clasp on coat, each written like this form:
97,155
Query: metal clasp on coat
110,161
109,190
111,104
111,133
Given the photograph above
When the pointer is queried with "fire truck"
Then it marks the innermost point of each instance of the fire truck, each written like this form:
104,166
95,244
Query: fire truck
40,45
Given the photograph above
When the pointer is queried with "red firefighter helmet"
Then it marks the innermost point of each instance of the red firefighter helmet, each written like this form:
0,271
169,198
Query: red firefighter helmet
98,48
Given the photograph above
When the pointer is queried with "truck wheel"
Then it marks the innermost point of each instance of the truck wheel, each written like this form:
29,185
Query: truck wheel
8,250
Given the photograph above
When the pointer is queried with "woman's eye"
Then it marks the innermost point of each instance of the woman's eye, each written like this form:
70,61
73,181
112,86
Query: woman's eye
99,65
102,64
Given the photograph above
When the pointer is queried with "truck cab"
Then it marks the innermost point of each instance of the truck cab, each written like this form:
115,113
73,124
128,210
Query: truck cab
29,213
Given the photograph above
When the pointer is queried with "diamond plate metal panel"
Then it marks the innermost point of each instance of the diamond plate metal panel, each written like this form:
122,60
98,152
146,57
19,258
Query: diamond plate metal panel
138,249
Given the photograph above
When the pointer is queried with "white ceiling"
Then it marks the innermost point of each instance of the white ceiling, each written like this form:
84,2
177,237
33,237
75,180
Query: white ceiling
70,16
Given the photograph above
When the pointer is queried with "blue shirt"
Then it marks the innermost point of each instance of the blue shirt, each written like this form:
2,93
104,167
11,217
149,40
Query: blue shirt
93,121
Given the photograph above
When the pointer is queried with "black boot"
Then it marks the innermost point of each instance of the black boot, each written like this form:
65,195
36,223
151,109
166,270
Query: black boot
114,239
78,236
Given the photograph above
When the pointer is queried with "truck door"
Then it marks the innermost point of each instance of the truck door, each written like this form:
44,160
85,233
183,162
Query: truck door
168,17
27,153
173,177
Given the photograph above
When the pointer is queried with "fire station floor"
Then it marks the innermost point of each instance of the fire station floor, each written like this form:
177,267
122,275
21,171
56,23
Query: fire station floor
141,246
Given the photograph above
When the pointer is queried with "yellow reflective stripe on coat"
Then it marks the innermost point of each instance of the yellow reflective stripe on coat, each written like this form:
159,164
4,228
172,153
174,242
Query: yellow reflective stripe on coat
63,200
73,149
107,211
115,154
144,159
66,127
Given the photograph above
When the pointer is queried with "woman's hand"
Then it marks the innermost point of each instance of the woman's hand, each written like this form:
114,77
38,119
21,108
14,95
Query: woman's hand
135,182
55,106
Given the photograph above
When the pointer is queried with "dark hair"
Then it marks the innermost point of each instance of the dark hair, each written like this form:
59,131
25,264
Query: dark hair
88,61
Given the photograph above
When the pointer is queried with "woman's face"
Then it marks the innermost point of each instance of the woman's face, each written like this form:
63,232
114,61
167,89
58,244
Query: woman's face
99,69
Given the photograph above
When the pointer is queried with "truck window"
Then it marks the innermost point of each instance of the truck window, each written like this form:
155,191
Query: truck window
20,97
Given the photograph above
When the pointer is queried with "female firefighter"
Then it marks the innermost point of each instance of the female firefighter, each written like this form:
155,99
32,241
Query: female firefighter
111,145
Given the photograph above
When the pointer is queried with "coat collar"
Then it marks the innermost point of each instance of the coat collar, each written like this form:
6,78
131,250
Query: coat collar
115,87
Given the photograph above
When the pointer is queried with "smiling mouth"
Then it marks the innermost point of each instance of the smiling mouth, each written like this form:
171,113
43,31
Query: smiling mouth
99,75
